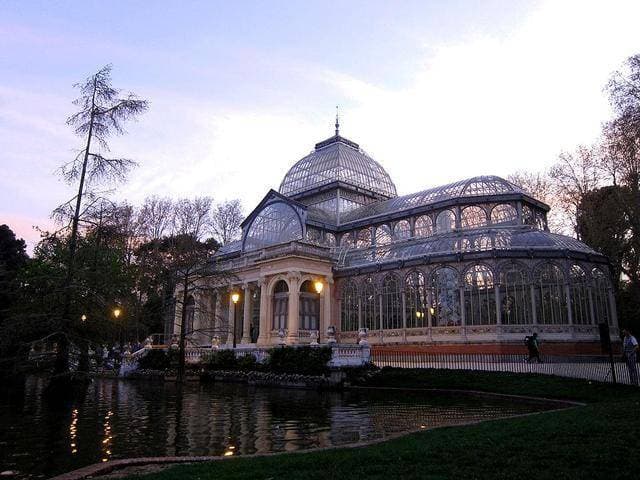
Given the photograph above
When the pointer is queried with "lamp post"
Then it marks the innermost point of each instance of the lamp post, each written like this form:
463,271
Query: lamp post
235,296
117,311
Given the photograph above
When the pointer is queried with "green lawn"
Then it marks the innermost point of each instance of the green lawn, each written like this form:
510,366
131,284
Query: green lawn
598,441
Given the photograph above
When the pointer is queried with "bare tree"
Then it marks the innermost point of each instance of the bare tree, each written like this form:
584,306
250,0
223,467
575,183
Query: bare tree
102,114
225,221
192,217
574,176
155,217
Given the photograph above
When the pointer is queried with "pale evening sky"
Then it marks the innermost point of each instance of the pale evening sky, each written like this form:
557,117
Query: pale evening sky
434,90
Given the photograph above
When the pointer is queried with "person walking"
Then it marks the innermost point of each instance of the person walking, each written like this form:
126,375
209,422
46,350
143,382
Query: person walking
630,355
533,345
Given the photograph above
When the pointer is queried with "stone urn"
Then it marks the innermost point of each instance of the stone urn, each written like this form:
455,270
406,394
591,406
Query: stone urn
331,334
314,338
174,342
363,334
148,342
215,342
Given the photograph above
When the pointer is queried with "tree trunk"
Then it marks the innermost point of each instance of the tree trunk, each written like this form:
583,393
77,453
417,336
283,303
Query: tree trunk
183,327
62,357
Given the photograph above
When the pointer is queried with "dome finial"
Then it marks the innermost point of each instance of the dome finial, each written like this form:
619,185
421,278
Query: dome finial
337,122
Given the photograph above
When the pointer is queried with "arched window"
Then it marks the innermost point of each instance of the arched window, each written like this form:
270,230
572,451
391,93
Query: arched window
402,230
363,239
309,307
254,327
383,235
445,221
479,296
473,217
276,223
601,306
280,305
504,214
541,221
369,304
551,305
190,310
416,300
391,303
423,226
445,297
330,239
349,307
579,296
528,217
515,296
478,243
347,240
314,235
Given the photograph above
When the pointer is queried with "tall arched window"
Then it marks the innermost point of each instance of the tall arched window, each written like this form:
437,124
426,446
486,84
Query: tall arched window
473,217
330,239
349,307
416,300
383,235
402,230
314,235
551,305
479,296
391,303
504,214
309,307
347,240
601,306
363,238
445,297
280,305
579,296
515,296
423,226
369,304
190,308
445,221
528,217
276,223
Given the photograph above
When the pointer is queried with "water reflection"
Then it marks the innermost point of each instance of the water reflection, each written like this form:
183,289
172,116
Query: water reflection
120,419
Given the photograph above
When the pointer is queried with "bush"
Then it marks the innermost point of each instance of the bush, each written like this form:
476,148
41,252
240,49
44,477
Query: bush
155,360
300,360
247,363
222,360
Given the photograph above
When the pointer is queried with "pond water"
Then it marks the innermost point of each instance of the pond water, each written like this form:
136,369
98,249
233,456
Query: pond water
120,419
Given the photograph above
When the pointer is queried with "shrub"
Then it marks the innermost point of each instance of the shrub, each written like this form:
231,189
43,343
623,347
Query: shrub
301,360
222,360
155,360
247,363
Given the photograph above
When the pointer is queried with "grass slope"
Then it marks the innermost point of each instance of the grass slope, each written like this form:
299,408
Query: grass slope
597,441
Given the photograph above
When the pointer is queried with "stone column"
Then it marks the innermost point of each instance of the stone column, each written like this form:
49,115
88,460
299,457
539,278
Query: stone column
293,314
217,313
325,308
246,321
265,327
231,324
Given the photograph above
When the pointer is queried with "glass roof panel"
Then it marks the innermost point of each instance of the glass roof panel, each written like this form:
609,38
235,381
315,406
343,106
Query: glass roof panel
337,159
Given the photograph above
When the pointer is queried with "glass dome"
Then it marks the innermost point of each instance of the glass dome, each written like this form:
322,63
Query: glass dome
337,160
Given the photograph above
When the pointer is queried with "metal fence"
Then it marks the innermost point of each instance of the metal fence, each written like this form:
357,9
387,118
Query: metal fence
589,367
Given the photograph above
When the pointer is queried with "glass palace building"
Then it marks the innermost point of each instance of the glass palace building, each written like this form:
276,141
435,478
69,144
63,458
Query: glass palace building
470,265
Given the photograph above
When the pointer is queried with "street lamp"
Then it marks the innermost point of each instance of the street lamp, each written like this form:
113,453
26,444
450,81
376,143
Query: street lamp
83,317
116,312
235,296
318,285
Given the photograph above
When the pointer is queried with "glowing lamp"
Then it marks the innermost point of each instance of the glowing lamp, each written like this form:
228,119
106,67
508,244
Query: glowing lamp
318,285
83,318
235,296
116,312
